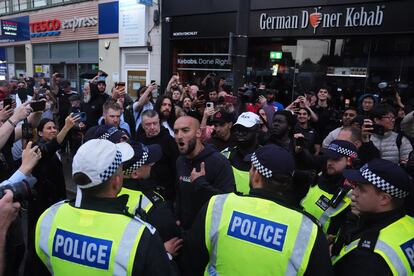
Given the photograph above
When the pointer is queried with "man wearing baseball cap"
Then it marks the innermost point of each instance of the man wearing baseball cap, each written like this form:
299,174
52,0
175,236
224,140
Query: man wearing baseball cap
221,137
382,241
143,201
329,198
261,233
245,132
94,235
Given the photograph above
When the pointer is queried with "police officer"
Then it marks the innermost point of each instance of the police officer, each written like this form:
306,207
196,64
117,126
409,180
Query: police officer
94,235
328,199
258,234
245,132
381,242
144,202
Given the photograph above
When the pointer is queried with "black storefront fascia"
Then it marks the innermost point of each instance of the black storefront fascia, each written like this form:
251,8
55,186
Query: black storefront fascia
347,19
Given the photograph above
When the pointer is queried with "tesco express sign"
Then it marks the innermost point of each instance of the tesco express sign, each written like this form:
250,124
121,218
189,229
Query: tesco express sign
53,27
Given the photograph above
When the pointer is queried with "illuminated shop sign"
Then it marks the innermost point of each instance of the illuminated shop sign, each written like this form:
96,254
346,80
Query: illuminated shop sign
203,62
8,28
53,27
351,17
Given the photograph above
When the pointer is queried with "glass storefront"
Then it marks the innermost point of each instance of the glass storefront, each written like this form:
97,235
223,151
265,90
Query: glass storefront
349,66
71,59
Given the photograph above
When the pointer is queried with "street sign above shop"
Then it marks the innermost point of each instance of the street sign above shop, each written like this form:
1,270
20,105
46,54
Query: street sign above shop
333,20
203,62
14,29
75,22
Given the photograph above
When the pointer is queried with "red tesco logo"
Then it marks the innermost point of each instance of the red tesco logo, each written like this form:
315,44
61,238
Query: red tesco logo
45,26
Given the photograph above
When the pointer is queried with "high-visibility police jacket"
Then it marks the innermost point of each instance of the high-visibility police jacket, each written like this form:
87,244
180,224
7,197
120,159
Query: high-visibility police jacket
316,203
254,236
136,200
242,178
395,244
74,241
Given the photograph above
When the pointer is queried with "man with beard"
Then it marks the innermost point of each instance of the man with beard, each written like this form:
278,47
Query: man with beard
221,136
201,170
261,233
163,173
281,131
328,199
347,118
165,108
245,132
379,238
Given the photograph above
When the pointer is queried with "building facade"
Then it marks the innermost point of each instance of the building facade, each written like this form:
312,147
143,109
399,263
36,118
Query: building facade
294,46
78,38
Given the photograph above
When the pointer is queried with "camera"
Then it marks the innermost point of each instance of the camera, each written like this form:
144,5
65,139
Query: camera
301,142
21,190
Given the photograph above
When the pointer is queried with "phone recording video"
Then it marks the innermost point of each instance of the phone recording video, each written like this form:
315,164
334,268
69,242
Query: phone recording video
38,105
7,102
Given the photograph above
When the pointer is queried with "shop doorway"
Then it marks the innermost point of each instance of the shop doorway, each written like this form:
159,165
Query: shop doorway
135,80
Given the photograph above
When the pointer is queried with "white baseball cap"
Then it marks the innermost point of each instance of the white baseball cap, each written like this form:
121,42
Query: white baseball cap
99,159
248,119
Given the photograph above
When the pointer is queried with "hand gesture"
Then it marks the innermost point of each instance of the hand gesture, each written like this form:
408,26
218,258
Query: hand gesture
262,100
298,135
5,113
71,120
30,157
22,112
8,210
208,111
196,174
173,245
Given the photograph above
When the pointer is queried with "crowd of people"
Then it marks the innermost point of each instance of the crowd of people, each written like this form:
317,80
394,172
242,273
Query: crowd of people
202,179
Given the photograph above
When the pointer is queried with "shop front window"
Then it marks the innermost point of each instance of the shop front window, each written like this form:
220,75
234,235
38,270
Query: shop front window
350,67
4,6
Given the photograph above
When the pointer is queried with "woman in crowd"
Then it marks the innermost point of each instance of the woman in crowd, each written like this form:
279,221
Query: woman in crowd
263,119
50,186
310,137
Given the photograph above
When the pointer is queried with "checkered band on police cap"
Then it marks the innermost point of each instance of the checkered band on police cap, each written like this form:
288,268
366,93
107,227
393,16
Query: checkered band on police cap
137,164
262,170
342,150
112,168
382,184
108,133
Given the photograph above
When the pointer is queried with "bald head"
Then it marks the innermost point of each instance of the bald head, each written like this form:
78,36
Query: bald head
188,121
188,136
350,134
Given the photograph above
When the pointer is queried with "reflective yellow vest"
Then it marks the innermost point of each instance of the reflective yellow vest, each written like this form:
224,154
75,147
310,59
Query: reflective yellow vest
242,178
395,245
134,200
74,241
316,204
254,236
